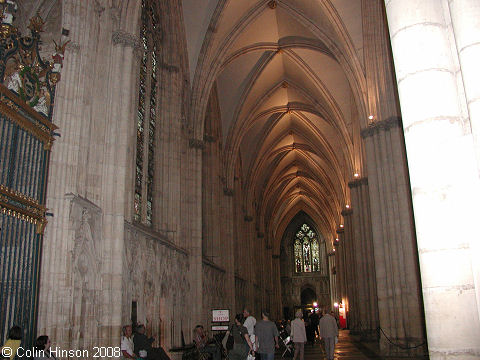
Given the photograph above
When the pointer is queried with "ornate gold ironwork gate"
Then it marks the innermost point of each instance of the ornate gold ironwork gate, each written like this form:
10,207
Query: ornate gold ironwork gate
27,91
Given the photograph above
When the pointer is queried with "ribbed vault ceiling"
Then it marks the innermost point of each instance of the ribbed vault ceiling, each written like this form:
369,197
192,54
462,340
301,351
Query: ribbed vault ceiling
291,90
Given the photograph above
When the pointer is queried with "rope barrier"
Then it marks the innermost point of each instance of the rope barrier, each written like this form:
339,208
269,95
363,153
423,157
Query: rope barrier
403,347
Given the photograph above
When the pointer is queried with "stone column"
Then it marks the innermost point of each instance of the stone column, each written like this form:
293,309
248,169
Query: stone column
227,249
397,277
364,259
80,304
443,168
333,274
339,255
350,271
192,229
466,26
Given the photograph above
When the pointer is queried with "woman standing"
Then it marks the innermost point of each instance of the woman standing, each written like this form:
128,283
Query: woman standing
298,334
240,338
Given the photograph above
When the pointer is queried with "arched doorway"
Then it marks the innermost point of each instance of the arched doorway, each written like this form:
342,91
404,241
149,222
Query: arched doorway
308,297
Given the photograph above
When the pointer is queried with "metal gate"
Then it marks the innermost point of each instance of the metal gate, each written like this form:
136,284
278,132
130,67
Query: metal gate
27,89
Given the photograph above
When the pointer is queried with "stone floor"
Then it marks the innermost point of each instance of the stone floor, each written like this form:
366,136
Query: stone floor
347,349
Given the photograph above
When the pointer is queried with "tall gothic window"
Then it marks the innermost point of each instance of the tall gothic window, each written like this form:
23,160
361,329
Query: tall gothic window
306,250
146,116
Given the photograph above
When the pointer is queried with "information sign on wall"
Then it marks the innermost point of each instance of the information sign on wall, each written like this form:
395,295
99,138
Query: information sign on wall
220,315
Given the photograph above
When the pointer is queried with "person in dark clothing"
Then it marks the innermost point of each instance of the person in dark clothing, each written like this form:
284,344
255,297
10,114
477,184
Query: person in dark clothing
310,331
314,318
142,346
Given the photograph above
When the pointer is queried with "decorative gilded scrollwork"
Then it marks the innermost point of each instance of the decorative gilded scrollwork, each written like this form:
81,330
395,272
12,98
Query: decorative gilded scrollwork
22,70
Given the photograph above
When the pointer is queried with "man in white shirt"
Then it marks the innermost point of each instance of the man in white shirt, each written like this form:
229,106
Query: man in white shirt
329,331
249,323
126,344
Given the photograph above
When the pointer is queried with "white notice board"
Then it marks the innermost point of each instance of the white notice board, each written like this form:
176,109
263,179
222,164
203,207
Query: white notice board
220,315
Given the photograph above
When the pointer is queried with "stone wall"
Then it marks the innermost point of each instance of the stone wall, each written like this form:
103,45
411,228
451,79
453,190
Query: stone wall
155,277
214,286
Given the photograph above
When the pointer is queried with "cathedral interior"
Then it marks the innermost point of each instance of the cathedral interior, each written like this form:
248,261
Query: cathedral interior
161,159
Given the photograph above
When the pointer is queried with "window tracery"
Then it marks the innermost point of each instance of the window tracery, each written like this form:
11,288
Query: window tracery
146,117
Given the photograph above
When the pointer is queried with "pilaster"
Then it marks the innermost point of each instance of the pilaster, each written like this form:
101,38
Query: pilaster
364,259
396,268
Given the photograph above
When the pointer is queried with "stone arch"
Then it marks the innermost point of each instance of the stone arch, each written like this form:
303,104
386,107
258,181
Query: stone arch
307,295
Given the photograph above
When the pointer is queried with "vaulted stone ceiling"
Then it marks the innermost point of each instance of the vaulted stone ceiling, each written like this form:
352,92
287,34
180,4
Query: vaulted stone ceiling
291,90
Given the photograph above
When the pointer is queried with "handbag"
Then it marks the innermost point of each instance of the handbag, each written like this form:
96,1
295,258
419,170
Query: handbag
228,340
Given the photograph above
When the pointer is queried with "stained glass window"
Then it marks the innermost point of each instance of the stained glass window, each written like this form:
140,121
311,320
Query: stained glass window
306,250
146,117
298,256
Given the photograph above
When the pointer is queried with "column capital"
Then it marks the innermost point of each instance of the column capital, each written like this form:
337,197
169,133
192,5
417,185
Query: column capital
209,138
358,182
196,144
376,126
347,212
120,37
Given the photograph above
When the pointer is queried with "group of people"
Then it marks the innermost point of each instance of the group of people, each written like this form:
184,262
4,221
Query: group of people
251,337
138,346
14,340
326,328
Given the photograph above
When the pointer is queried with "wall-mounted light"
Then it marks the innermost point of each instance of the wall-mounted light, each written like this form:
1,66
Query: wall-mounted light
335,304
347,206
341,225
370,117
356,175
315,304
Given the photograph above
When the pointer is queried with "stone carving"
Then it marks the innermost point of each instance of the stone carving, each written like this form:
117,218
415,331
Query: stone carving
384,125
227,192
196,144
85,220
98,8
124,38
9,11
213,287
155,272
240,292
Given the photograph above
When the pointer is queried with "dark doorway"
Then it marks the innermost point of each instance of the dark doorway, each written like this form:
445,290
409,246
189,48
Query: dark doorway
308,296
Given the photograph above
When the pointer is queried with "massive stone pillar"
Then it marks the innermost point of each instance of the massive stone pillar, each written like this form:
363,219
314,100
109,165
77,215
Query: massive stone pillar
80,303
394,247
466,26
441,158
364,259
